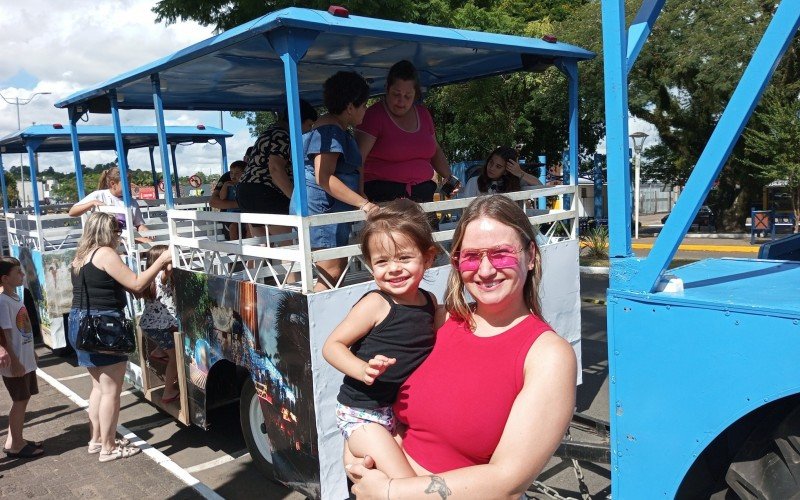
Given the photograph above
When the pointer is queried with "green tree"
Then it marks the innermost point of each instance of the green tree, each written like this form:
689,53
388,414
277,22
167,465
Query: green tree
773,144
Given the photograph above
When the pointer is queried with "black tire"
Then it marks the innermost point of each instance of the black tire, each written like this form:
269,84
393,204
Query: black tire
252,422
767,466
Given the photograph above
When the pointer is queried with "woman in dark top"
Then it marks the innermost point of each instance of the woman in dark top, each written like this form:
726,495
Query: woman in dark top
99,282
266,184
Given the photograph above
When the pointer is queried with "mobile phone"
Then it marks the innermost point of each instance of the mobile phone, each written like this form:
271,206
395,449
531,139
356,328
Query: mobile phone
450,185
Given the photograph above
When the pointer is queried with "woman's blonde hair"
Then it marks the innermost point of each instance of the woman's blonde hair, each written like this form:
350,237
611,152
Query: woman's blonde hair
101,230
505,211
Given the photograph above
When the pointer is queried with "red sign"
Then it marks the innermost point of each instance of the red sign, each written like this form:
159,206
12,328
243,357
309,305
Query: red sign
147,193
161,186
195,181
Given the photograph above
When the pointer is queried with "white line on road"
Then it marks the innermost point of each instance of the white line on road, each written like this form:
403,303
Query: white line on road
73,377
217,461
154,454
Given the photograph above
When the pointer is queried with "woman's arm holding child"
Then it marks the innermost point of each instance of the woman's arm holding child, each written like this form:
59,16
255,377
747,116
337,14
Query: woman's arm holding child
367,313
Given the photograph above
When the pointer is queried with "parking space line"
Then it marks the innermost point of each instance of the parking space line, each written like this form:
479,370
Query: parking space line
154,454
73,377
217,461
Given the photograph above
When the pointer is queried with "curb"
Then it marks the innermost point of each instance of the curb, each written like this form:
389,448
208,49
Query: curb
601,302
593,270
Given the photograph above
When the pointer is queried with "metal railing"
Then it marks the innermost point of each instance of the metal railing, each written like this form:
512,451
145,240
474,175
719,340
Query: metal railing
271,259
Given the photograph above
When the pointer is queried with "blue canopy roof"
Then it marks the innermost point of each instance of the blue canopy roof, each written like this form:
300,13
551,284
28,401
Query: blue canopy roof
240,70
94,138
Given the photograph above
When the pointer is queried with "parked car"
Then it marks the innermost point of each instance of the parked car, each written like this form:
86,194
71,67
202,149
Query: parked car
704,218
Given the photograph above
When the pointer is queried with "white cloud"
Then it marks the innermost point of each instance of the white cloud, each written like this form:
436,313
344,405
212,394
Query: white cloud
69,46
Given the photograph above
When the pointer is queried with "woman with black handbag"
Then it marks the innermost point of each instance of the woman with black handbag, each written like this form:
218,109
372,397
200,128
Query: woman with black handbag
98,329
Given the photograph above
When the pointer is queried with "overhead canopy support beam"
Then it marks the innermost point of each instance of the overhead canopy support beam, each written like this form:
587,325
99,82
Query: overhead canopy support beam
641,27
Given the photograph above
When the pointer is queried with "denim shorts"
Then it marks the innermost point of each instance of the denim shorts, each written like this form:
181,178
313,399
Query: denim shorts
320,202
348,418
91,359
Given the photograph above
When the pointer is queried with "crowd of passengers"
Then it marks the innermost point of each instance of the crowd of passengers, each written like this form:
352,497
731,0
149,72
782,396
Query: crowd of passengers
405,358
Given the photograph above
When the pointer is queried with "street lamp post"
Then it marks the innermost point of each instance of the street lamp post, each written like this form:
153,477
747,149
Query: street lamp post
19,103
638,142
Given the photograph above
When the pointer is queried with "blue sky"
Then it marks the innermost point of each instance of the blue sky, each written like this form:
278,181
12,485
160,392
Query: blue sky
63,47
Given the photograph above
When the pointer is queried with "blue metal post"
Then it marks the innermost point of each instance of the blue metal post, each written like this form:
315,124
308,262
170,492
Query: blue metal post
3,186
291,45
617,159
566,169
32,146
163,146
224,154
541,202
121,156
571,70
776,39
74,116
598,187
172,148
641,27
153,170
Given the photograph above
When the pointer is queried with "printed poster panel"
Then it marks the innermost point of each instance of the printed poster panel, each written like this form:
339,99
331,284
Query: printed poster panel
265,330
34,282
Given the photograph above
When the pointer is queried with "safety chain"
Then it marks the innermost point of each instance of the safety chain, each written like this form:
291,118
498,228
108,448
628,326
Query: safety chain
540,487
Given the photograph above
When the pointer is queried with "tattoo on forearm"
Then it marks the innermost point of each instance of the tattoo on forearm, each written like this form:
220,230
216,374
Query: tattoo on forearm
438,486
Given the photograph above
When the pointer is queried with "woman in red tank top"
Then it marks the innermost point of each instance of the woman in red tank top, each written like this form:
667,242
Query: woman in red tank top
487,409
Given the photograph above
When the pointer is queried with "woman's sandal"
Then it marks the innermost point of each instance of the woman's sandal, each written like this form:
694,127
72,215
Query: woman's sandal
98,447
118,452
27,451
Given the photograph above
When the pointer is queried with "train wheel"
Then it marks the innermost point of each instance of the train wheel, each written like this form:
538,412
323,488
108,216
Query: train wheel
767,466
252,421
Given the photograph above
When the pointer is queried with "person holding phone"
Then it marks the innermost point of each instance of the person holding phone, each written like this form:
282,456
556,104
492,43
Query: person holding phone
398,143
500,174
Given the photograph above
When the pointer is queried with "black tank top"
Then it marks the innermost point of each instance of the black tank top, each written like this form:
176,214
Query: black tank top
104,291
407,333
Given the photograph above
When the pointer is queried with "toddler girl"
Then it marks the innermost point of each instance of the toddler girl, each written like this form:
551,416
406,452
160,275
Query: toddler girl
387,334
159,320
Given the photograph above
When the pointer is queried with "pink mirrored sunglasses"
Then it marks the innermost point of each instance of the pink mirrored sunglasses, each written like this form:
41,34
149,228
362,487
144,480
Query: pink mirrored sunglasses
500,257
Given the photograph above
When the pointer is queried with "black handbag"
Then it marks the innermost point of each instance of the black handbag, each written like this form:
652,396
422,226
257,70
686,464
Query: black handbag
103,333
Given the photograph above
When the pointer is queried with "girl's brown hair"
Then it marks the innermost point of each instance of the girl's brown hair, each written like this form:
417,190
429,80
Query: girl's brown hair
401,216
510,181
150,257
505,211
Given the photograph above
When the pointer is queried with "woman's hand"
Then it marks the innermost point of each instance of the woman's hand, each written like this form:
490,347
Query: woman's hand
513,167
368,207
350,461
373,485
165,259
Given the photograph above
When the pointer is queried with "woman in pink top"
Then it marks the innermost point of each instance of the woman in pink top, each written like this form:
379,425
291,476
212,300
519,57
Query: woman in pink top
486,410
398,143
